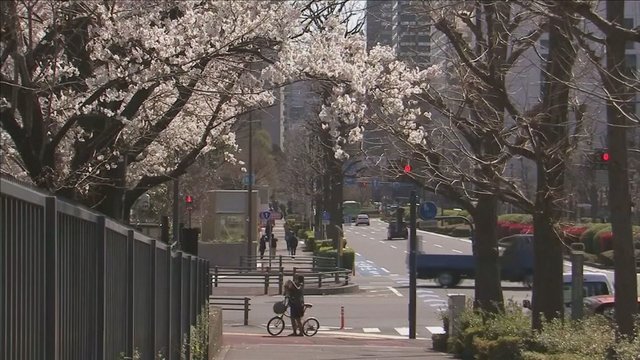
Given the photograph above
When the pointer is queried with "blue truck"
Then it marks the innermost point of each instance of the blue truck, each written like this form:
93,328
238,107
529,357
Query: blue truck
516,264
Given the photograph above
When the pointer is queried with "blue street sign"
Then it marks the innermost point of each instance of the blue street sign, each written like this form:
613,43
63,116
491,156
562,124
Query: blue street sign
427,210
247,178
326,215
265,215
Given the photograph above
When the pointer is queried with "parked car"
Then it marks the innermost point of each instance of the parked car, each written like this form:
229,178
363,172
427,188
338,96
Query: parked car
362,219
603,305
592,284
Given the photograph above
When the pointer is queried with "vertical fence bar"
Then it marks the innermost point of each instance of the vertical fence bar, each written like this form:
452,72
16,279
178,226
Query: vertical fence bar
131,287
153,290
246,311
280,280
266,281
100,284
215,276
52,295
319,280
170,303
178,288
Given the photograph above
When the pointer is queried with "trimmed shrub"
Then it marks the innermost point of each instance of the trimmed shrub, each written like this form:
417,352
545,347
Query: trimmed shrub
348,257
604,239
606,257
516,218
587,237
571,234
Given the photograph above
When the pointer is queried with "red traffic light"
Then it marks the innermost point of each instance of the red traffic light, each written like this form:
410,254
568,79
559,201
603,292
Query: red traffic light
605,156
188,199
407,168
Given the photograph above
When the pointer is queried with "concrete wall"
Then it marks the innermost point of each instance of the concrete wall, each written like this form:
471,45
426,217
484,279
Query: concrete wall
221,254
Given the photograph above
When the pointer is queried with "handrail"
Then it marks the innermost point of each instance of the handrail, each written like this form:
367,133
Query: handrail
231,275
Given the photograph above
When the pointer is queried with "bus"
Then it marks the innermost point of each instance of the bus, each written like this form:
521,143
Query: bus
351,209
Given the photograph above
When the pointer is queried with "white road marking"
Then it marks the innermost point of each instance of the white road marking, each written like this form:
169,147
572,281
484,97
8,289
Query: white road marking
404,331
428,295
456,251
371,330
380,241
423,291
406,252
393,247
445,236
435,329
358,254
437,245
372,238
394,291
434,300
370,262
385,270
439,306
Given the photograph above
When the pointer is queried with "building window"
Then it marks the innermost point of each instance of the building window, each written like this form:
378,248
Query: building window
627,23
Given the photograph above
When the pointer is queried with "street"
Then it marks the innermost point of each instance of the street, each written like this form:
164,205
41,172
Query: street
380,309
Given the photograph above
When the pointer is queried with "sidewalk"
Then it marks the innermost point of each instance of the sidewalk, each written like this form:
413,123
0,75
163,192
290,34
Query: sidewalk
238,346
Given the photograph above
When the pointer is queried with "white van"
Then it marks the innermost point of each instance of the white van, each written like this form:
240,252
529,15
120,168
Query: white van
592,284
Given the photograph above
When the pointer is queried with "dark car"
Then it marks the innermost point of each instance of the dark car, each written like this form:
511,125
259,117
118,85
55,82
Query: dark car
395,230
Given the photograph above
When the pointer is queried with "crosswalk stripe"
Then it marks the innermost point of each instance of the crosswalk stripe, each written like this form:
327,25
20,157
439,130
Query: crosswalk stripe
371,330
435,329
404,331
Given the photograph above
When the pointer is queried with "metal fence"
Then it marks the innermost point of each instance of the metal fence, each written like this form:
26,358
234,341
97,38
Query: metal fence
77,285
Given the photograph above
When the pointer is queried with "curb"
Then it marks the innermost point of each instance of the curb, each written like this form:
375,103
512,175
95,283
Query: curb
333,290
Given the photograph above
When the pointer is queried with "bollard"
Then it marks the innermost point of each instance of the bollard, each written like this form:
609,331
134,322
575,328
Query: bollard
280,261
577,271
457,303
341,317
246,311
266,281
319,280
215,276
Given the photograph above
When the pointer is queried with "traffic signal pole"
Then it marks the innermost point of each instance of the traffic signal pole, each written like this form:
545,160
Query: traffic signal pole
413,242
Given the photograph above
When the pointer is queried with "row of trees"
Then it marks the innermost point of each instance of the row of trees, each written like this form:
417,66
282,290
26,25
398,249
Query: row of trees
103,101
460,134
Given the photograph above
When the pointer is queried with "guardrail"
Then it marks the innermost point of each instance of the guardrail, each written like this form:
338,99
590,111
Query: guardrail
233,304
268,276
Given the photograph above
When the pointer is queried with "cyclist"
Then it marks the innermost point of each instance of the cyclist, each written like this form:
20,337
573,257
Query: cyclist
296,303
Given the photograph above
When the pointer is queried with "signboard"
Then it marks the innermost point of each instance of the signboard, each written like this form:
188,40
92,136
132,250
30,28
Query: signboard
326,218
428,210
276,215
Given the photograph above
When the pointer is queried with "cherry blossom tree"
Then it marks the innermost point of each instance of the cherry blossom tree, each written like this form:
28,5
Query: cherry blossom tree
102,101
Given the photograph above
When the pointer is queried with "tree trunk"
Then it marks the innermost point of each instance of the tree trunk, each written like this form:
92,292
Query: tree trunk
547,298
488,291
626,305
551,134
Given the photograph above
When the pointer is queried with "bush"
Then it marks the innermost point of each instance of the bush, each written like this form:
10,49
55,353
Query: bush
606,257
517,218
348,257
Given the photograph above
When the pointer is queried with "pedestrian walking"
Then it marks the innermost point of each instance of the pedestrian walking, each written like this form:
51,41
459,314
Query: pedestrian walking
263,245
273,245
287,239
293,243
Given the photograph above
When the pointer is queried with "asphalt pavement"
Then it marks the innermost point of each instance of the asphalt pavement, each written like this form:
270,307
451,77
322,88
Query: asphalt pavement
240,346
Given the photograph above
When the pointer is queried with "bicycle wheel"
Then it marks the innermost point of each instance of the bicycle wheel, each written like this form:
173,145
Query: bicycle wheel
275,325
310,326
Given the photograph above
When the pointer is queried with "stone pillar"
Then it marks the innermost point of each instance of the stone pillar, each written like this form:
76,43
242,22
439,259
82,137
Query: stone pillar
457,303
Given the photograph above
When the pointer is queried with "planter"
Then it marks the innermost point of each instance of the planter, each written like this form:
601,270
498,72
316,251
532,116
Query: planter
439,342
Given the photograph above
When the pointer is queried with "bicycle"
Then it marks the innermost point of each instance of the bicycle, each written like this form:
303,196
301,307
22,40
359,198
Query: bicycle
276,324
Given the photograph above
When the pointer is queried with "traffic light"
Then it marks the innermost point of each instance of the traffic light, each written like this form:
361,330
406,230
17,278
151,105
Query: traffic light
601,158
407,169
188,201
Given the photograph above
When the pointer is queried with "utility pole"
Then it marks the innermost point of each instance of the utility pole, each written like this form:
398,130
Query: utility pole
176,211
413,242
250,227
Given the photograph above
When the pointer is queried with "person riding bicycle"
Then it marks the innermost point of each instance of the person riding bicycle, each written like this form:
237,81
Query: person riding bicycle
293,290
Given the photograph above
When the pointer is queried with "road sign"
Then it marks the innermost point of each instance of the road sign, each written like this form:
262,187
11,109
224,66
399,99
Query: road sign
428,210
326,215
265,215
247,178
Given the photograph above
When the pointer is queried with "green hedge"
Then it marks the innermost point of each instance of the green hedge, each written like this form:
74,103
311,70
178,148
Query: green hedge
517,218
587,238
348,256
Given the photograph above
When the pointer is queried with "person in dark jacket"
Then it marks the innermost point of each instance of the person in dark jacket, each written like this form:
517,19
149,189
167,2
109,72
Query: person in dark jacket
293,240
263,245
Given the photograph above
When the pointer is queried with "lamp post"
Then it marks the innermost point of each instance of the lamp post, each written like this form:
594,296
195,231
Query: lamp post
250,227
